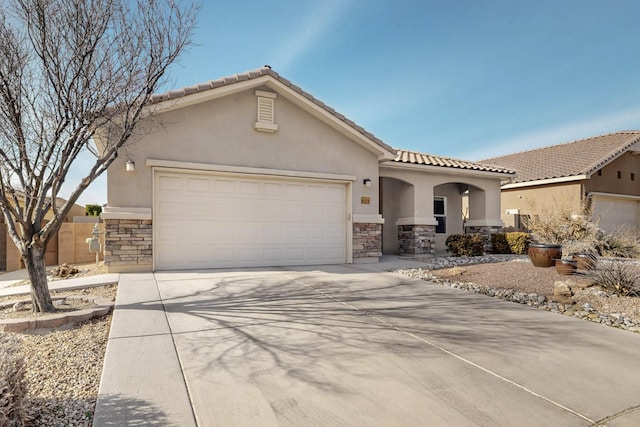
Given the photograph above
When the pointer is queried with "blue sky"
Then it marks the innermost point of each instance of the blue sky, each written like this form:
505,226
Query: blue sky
466,79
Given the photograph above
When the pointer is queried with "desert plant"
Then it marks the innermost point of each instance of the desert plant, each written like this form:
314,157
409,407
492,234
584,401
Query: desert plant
620,278
560,225
465,245
621,243
13,387
518,242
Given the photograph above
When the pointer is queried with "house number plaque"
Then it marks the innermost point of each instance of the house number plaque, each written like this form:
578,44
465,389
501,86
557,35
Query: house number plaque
365,200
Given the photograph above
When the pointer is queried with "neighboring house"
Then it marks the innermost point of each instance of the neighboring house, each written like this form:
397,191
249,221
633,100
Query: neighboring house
251,170
603,172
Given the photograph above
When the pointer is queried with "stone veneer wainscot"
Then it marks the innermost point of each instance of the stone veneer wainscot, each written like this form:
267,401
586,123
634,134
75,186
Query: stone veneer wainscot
367,241
128,242
128,239
416,238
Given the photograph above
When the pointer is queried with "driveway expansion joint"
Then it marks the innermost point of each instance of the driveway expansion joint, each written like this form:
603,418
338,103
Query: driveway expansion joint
450,353
603,421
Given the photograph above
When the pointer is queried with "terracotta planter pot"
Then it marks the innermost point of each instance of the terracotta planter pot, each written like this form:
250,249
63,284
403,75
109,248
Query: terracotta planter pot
585,261
544,255
566,267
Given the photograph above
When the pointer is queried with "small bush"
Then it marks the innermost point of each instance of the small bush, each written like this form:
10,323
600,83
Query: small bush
619,244
518,242
499,244
465,245
13,389
510,243
620,278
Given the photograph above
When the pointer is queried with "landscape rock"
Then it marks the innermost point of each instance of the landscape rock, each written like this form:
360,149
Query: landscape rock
562,289
561,302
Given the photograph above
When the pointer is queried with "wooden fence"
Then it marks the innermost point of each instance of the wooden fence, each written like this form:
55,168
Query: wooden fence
69,246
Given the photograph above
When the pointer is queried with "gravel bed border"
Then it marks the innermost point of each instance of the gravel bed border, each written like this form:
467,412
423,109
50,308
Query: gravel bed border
534,300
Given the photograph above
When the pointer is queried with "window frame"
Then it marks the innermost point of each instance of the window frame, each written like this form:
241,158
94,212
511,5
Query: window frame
441,227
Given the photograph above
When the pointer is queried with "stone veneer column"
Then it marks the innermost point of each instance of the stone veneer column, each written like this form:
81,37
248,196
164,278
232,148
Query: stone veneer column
416,239
366,238
128,239
484,231
367,242
128,242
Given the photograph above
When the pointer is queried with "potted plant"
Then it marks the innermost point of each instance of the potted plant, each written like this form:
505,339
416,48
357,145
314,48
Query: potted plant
557,233
566,266
544,254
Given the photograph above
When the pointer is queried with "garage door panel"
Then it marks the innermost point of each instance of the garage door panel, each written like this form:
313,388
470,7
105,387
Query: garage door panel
208,221
169,183
616,213
197,185
224,186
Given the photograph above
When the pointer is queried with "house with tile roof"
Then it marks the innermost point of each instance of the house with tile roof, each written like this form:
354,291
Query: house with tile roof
603,171
251,170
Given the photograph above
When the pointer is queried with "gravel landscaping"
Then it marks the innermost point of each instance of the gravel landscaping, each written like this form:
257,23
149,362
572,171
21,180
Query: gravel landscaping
63,367
515,279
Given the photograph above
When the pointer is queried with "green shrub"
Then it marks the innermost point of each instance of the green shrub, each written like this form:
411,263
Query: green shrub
465,245
620,278
510,243
500,244
93,210
13,387
518,242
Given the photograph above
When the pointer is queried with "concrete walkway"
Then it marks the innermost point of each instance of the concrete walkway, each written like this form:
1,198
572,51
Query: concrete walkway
353,346
6,288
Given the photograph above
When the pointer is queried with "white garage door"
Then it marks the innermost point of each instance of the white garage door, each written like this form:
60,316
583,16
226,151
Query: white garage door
213,221
616,213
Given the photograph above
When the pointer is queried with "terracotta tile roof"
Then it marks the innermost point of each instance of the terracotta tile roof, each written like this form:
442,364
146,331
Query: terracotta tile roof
583,157
416,158
250,75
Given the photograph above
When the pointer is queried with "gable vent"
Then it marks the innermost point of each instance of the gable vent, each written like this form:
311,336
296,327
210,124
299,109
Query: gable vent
266,102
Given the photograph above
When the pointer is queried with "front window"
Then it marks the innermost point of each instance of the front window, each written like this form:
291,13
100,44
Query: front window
439,212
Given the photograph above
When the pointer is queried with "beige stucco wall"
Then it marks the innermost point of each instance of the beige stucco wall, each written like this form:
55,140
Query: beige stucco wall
427,183
531,200
608,181
221,132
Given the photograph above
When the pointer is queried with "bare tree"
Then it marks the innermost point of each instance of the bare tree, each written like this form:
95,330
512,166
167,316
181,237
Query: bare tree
68,70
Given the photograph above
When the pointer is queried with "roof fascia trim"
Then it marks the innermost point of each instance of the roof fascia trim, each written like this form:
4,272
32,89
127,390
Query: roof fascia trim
545,181
446,170
602,163
207,95
613,195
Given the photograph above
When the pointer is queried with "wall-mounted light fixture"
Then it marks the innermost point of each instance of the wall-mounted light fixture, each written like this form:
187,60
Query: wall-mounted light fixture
366,182
130,166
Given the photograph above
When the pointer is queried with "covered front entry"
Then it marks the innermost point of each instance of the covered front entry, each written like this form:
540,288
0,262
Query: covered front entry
214,220
421,210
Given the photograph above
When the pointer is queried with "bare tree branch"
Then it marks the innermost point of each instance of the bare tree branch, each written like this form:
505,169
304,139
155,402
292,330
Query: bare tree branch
69,69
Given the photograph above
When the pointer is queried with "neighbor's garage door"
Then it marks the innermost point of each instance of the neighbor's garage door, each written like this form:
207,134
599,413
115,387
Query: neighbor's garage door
615,213
213,221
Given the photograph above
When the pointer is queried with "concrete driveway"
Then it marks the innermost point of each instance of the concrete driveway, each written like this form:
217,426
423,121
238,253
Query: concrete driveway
354,346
